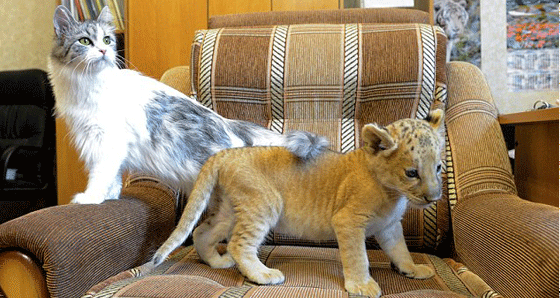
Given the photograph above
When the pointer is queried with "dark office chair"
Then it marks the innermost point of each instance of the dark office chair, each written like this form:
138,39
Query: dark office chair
27,143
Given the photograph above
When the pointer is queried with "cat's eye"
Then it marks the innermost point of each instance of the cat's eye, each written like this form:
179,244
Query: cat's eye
107,40
85,41
411,173
438,168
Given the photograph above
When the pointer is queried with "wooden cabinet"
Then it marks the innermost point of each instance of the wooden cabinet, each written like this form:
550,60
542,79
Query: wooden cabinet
71,174
286,5
159,33
221,7
536,154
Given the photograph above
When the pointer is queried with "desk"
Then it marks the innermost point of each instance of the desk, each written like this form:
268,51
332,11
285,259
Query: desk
536,154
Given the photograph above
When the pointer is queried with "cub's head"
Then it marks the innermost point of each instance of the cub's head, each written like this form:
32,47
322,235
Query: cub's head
406,156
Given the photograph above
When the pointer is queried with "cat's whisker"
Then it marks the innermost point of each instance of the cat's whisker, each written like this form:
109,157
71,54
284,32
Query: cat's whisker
127,63
76,67
59,73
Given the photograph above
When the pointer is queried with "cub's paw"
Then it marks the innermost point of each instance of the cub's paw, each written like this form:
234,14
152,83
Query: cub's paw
416,271
369,288
84,198
267,277
223,261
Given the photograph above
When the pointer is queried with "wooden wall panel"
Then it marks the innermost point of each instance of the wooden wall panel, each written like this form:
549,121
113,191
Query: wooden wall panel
159,33
287,5
71,174
221,7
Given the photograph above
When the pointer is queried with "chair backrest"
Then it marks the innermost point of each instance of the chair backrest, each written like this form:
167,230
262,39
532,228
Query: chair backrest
26,109
329,72
21,125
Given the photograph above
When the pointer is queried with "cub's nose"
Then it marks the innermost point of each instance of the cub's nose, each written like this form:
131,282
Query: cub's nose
433,196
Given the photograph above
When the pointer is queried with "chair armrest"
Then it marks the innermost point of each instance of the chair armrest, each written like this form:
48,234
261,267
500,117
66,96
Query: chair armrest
478,150
512,244
178,77
80,245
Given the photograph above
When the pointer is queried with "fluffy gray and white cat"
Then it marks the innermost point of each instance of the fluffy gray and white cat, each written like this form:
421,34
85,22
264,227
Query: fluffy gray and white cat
121,120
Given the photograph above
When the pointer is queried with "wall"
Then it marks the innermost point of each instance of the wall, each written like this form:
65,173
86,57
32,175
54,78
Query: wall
26,34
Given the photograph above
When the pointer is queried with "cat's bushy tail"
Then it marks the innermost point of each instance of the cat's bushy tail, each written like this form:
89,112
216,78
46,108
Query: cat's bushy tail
305,145
197,203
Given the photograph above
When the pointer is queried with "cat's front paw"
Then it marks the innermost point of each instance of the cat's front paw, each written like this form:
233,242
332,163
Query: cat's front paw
417,271
369,288
84,198
114,191
223,261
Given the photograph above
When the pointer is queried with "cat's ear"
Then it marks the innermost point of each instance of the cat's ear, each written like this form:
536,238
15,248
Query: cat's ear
435,119
62,20
105,16
378,140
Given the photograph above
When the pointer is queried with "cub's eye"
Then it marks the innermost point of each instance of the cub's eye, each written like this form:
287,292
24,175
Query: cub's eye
438,168
85,41
107,40
411,173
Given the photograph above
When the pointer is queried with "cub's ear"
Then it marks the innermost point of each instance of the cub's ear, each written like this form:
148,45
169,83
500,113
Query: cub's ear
435,118
62,20
377,139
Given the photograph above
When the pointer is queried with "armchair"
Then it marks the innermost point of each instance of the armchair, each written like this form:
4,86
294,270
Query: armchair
27,143
347,69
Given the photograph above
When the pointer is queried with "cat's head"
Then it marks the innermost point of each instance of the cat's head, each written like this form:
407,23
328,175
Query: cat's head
406,156
87,46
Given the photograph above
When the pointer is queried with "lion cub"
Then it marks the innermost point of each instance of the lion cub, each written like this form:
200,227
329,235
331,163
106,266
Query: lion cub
347,196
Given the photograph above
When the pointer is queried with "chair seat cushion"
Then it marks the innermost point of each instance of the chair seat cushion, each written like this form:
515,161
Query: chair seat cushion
309,272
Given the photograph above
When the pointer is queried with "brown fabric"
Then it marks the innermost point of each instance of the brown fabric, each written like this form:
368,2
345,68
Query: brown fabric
512,244
473,281
339,16
81,245
309,272
480,162
179,78
330,79
425,294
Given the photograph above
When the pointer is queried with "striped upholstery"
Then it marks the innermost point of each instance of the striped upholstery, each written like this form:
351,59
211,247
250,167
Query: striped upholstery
309,271
330,79
511,244
78,244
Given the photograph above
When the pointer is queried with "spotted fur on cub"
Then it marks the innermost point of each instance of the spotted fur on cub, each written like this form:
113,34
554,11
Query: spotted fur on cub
334,196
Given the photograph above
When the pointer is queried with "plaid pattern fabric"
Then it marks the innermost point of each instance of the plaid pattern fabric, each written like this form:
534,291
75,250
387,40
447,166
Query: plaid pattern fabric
309,271
330,79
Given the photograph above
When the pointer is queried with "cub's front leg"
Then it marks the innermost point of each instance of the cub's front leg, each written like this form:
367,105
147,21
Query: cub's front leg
355,265
392,242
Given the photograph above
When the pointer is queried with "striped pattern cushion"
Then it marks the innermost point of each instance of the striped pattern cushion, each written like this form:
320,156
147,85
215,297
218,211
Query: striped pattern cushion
309,271
330,79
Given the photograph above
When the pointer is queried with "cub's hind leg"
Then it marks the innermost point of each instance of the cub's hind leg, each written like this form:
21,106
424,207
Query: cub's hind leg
253,222
215,228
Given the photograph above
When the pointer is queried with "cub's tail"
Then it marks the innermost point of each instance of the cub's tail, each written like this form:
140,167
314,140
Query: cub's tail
305,145
197,203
